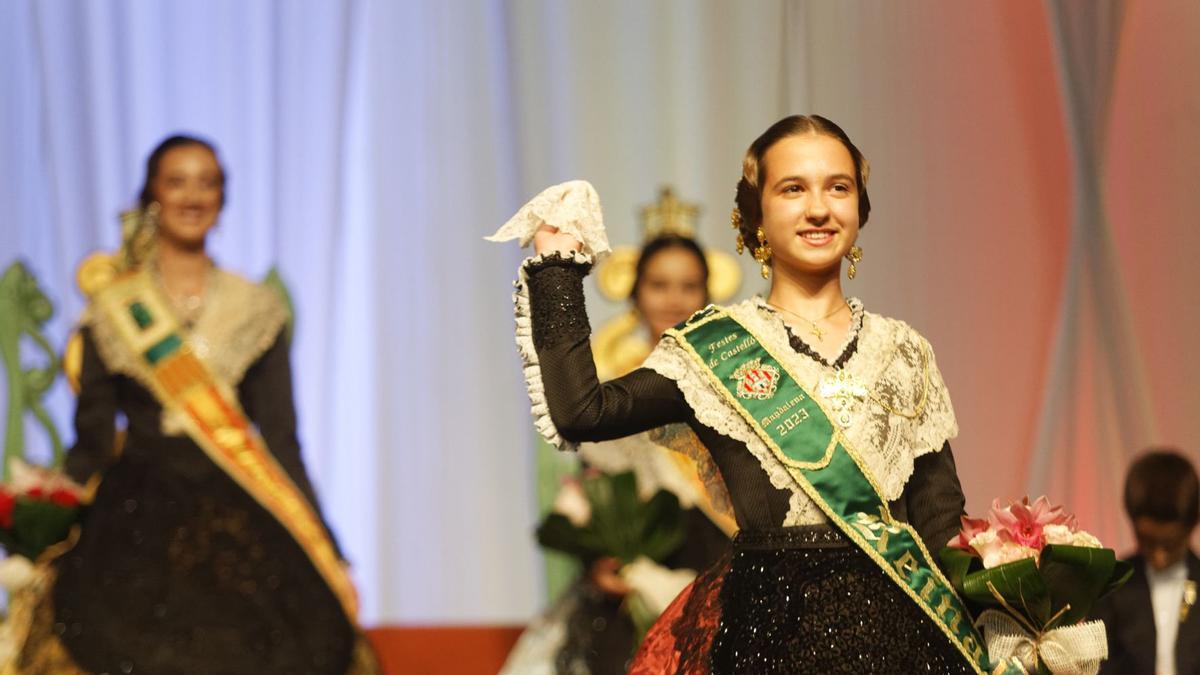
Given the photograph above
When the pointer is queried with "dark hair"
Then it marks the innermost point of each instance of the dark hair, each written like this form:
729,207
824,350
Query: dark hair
662,243
170,143
754,169
1162,485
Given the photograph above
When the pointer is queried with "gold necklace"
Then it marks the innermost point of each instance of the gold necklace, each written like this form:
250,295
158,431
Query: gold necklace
814,328
188,306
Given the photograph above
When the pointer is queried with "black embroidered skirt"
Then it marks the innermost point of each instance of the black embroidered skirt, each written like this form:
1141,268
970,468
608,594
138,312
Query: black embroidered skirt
797,600
180,571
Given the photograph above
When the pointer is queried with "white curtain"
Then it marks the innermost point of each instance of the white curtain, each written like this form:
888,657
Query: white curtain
371,144
1096,401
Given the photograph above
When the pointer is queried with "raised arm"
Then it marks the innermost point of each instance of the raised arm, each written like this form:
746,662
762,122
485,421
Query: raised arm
570,405
580,407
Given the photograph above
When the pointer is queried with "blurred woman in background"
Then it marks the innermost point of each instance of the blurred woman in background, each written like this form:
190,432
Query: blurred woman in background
204,550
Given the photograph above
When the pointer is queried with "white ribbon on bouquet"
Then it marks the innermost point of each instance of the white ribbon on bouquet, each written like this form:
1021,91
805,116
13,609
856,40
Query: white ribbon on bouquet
1070,650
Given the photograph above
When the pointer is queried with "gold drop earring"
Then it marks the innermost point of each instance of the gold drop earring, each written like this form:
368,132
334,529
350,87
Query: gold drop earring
855,257
762,253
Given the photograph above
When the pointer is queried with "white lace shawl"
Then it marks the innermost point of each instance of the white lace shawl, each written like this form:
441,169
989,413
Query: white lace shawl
892,360
239,322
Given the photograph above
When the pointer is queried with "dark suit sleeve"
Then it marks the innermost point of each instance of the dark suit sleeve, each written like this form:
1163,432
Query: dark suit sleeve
266,393
1128,617
933,499
95,416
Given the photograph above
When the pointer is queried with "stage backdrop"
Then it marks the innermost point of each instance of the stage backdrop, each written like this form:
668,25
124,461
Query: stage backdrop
1034,216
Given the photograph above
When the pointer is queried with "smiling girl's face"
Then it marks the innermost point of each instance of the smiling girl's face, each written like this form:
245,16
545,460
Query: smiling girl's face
188,189
809,203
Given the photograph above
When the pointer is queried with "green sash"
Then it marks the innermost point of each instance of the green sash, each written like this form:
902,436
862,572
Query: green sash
798,430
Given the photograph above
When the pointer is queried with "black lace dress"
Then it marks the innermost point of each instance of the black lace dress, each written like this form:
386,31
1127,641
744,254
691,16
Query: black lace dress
177,569
787,599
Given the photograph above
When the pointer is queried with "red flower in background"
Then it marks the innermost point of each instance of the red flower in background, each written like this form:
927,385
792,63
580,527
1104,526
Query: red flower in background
7,502
65,498
47,503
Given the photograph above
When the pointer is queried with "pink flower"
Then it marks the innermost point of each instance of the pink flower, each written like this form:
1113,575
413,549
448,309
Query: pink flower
970,528
1024,522
997,549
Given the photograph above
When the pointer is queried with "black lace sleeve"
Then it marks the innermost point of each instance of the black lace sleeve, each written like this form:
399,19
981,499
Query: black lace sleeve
95,416
580,406
934,498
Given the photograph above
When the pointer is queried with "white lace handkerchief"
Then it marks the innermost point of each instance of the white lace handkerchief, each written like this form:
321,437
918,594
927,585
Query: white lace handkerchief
573,207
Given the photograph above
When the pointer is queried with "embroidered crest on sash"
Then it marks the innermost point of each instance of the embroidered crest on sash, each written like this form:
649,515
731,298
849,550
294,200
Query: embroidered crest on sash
756,380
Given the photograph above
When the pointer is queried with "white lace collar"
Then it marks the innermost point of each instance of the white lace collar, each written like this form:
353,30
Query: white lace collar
902,412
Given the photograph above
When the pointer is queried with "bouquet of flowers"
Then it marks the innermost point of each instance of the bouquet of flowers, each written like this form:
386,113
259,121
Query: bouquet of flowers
601,515
1037,575
38,506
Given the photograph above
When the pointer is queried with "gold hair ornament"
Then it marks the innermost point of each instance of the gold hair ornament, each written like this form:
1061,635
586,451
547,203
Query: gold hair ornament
735,219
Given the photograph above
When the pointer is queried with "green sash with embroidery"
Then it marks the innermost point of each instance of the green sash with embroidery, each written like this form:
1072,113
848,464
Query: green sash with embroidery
797,429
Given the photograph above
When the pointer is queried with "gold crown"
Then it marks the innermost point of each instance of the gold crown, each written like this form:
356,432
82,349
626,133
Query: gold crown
669,215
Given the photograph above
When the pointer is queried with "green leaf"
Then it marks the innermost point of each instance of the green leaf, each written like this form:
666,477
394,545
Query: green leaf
1018,583
621,524
1076,577
12,545
1120,574
662,530
38,524
556,532
957,562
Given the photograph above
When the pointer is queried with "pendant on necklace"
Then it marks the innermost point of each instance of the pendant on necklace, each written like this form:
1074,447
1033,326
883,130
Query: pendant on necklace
841,390
816,330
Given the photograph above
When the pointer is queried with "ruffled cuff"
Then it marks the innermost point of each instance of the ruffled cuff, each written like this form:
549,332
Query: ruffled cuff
539,265
572,207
